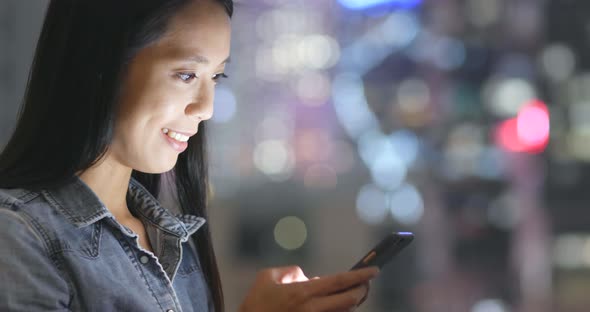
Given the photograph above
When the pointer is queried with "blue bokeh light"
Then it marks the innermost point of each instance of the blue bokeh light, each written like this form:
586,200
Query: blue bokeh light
365,4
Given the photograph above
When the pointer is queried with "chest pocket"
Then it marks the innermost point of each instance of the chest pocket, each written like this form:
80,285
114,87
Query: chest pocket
190,261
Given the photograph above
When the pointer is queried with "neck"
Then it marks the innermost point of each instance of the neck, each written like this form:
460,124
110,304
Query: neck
109,180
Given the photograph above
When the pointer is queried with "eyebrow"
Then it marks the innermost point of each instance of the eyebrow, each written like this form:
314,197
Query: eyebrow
203,60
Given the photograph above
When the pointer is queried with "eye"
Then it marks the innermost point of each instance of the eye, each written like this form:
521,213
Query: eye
186,77
217,77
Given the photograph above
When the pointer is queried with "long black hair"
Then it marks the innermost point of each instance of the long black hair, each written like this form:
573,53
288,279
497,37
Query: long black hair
66,121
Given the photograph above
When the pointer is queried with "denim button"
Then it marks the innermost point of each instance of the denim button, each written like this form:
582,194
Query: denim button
144,259
169,310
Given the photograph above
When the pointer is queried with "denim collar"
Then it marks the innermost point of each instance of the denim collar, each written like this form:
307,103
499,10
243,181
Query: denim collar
81,207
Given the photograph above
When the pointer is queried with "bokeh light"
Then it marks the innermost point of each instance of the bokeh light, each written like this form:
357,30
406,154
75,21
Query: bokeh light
406,204
273,23
529,132
351,105
506,96
444,52
483,13
448,53
407,144
397,32
490,305
532,124
372,204
388,170
318,51
290,233
558,62
387,167
274,158
413,96
364,4
568,251
285,53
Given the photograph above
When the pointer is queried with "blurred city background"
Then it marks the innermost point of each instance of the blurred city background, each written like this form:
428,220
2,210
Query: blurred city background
464,121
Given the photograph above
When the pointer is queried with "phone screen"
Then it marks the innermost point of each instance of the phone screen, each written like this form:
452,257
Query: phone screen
388,248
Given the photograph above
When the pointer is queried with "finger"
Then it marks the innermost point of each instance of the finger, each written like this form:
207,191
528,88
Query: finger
343,301
367,289
338,282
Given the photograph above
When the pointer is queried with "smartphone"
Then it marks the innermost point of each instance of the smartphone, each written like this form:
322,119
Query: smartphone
388,248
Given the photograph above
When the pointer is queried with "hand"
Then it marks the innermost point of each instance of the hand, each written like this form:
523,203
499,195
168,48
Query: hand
287,289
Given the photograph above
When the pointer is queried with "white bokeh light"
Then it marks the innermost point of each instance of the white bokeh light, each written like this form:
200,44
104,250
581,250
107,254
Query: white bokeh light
506,96
318,51
406,204
387,168
371,204
388,171
407,144
274,158
351,105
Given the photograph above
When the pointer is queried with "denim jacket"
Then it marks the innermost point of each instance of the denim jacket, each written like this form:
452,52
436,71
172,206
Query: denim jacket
62,250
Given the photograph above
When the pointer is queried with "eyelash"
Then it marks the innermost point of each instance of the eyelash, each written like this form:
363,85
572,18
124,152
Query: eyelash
192,76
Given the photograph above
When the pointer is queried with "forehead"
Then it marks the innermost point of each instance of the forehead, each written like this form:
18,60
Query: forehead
200,28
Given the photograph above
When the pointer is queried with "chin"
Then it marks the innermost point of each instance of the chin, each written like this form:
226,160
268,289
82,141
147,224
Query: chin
158,167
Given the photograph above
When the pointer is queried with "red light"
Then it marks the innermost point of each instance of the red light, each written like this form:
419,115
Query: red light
528,132
506,136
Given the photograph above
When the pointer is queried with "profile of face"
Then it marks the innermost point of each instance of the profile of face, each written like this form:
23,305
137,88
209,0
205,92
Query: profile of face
169,88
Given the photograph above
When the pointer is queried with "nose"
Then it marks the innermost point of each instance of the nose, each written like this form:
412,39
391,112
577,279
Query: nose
201,108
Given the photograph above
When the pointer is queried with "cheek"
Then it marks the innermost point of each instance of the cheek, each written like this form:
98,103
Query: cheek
144,149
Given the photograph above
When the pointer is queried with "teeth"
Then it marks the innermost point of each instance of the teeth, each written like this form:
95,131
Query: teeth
176,136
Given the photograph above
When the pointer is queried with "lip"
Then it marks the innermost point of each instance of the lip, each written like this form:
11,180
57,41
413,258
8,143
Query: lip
190,134
176,145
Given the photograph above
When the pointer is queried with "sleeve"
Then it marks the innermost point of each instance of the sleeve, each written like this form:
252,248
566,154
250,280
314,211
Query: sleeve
29,280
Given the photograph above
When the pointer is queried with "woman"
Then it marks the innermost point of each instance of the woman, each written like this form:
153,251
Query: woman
116,103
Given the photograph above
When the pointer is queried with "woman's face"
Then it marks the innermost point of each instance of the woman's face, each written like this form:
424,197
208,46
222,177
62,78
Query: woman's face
169,88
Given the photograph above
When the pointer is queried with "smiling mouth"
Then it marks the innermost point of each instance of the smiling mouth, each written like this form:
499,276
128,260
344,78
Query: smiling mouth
175,135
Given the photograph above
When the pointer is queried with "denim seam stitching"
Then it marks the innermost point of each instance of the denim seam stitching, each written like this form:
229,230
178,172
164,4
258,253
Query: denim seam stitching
75,219
50,249
152,200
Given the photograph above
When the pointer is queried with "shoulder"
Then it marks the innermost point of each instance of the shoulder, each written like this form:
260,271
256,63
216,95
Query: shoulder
15,197
48,223
15,215
26,212
33,206
36,282
28,220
